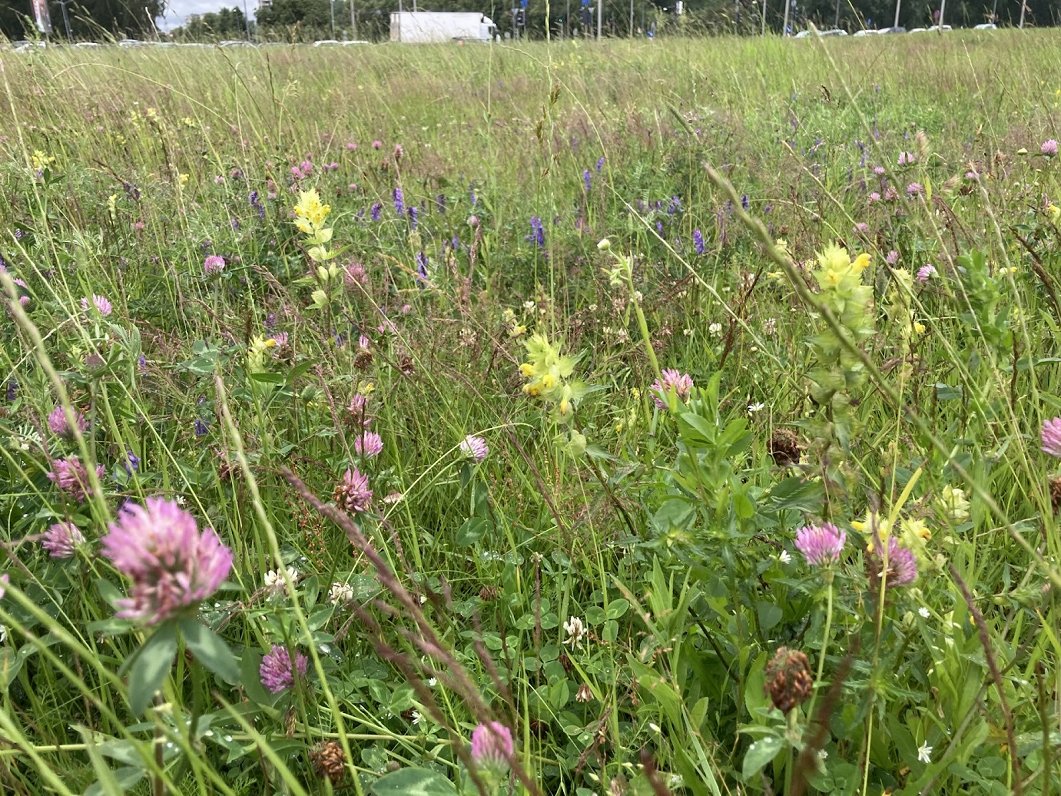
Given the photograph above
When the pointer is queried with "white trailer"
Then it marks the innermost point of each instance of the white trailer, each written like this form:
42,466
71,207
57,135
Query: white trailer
436,26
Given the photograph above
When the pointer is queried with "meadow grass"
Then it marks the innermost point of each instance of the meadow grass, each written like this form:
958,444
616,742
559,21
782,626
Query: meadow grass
612,580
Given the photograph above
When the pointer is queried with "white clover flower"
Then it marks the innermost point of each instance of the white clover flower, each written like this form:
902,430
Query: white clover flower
340,593
715,329
274,581
576,631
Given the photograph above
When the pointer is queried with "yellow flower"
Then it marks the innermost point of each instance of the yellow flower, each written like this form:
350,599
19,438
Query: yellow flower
310,210
919,327
1053,212
182,179
41,161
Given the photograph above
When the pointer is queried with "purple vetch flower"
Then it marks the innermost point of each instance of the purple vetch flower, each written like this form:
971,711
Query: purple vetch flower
925,272
492,746
61,540
745,202
440,203
474,447
1049,147
57,422
698,241
421,266
256,203
200,427
377,211
587,180
414,217
278,672
70,476
600,163
681,384
820,544
352,493
537,235
901,568
214,264
399,202
368,444
132,462
11,390
1051,435
103,307
172,566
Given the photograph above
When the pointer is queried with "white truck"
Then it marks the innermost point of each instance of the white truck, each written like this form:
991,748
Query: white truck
437,26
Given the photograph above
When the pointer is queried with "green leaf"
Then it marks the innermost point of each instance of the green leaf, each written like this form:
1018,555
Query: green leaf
760,754
210,650
413,782
150,666
472,531
617,608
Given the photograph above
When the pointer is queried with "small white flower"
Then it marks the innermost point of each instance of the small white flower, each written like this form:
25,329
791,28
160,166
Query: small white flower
417,717
340,593
924,753
822,754
923,612
687,332
756,407
576,631
3,633
529,305
432,682
715,329
785,557
180,500
274,581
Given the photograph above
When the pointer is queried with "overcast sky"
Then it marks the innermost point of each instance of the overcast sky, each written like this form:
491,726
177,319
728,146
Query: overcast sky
179,10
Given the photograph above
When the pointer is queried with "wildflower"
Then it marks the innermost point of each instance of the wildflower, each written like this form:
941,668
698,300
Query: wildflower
200,427
473,447
715,329
698,241
59,426
587,180
352,492
925,272
537,235
576,631
1049,147
907,158
61,540
1051,435
821,544
310,213
915,189
399,202
214,264
278,671
492,747
861,228
788,679
172,565
874,197
340,593
103,307
584,693
132,462
274,579
368,444
671,380
784,557
880,171
923,612
421,266
901,567
357,410
327,757
924,751
70,476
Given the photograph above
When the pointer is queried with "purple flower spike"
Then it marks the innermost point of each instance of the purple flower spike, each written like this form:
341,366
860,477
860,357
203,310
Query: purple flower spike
278,672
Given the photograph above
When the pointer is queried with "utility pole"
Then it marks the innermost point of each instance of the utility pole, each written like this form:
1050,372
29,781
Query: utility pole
784,24
836,22
600,17
942,8
331,8
353,21
898,5
247,20
631,19
66,18
763,32
1023,8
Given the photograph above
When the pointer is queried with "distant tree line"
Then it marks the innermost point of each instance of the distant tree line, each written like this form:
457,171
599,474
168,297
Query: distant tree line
308,20
89,19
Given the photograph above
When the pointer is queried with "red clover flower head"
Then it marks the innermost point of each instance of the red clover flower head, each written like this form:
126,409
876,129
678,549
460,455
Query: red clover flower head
474,447
58,425
680,383
821,544
214,264
278,671
368,444
71,477
103,307
492,746
171,564
61,540
1049,147
352,492
1051,435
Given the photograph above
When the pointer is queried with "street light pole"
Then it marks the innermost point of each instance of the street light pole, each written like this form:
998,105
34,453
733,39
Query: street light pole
600,17
66,19
353,22
331,8
898,4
